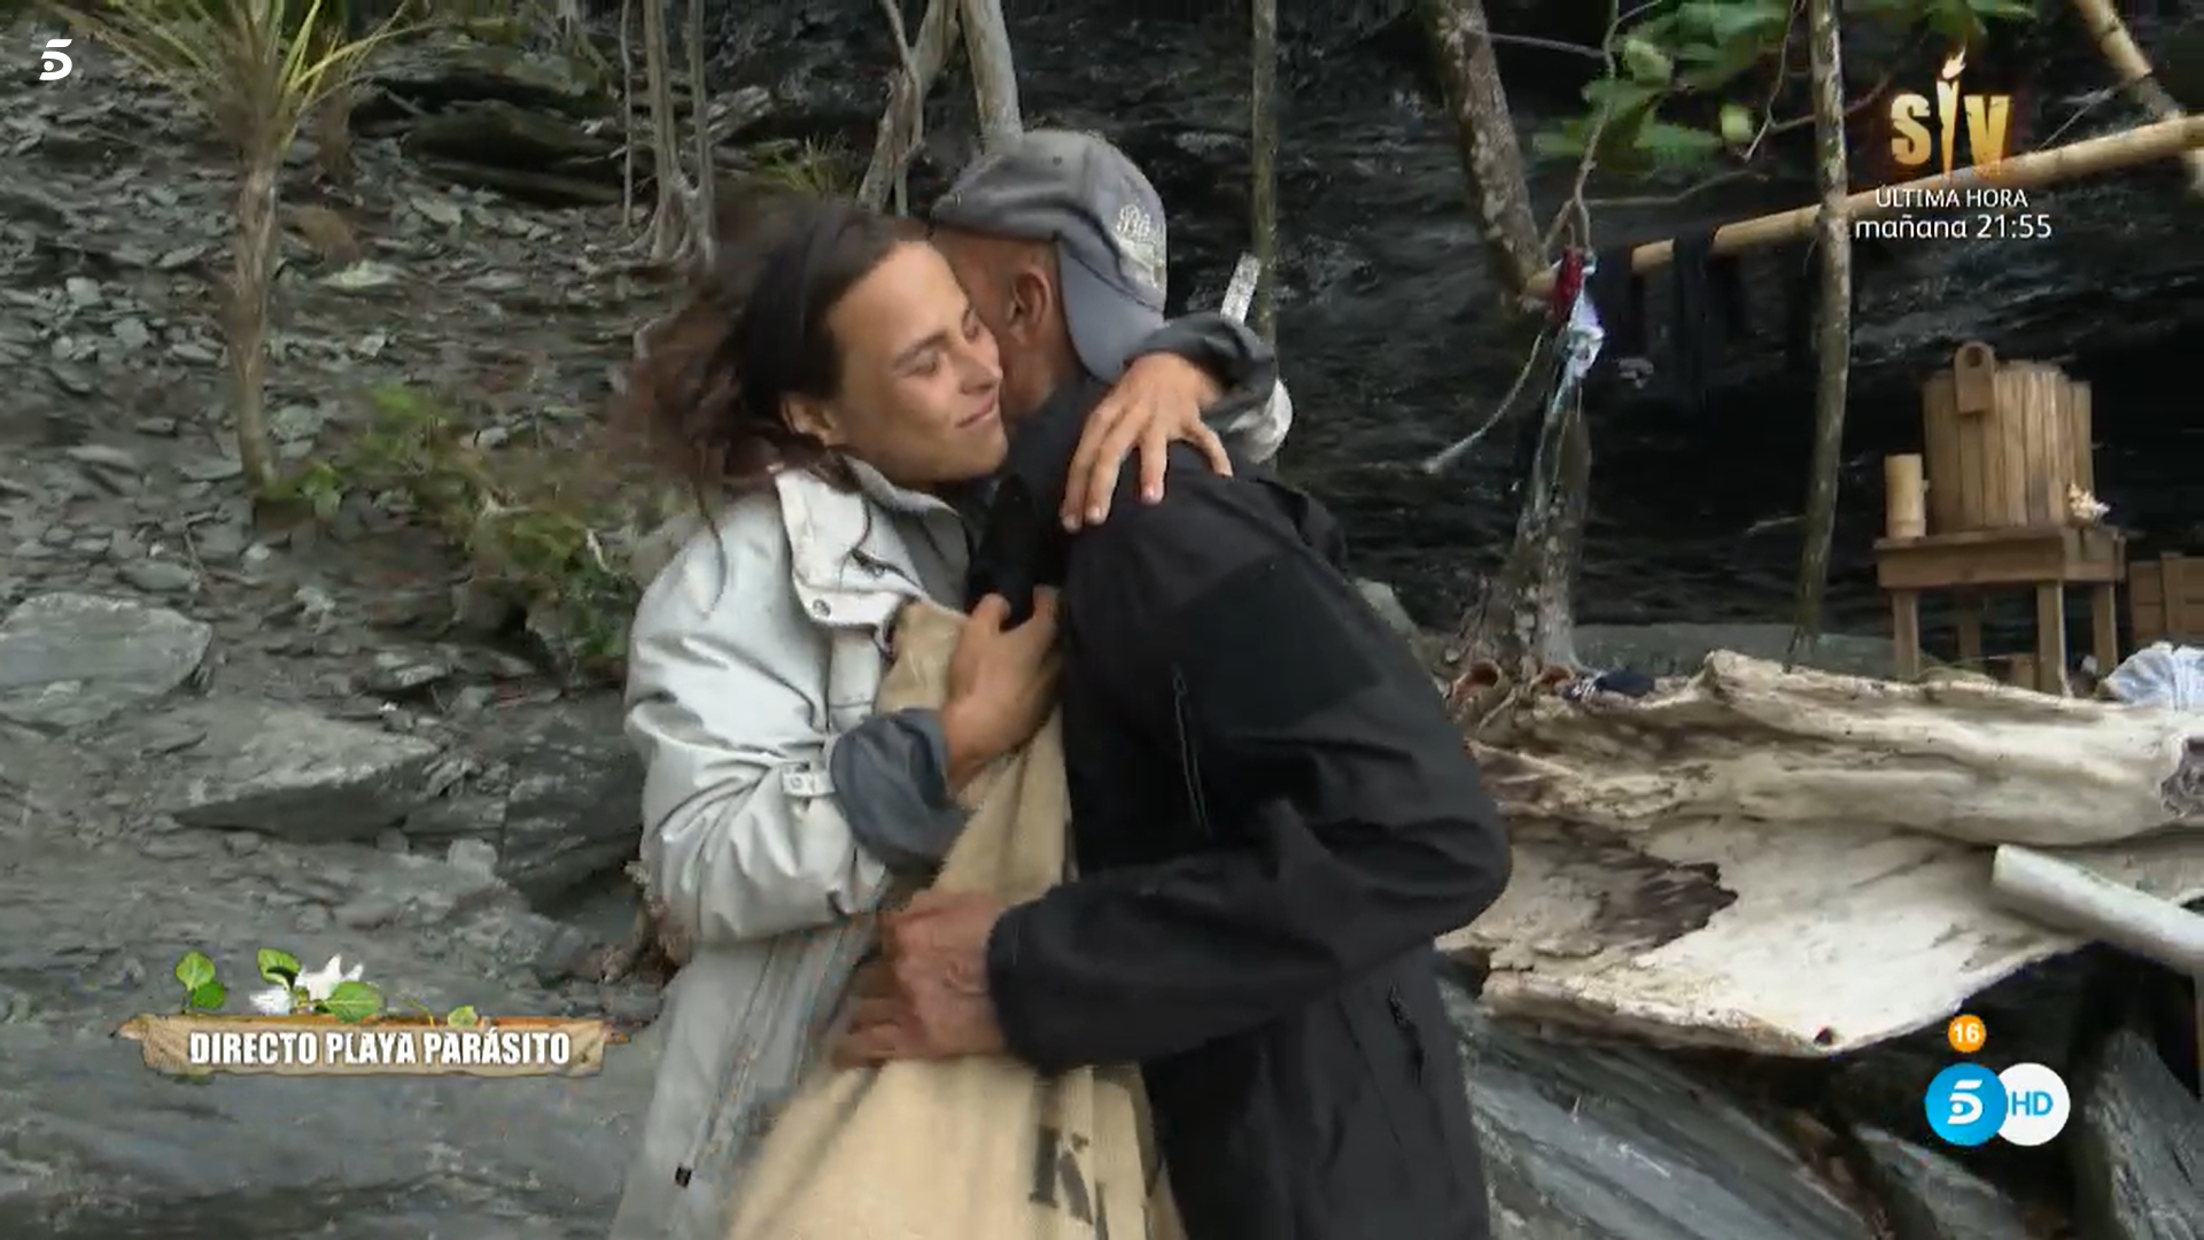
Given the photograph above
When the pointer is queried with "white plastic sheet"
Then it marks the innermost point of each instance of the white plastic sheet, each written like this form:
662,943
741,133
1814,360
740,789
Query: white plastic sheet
2163,675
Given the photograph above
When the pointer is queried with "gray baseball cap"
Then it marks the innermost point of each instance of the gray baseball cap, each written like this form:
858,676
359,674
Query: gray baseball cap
1078,191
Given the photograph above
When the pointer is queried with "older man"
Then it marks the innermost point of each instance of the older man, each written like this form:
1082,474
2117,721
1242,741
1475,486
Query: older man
1272,815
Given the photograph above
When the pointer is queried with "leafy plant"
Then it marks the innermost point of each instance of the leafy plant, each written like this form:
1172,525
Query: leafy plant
257,69
826,169
1681,56
538,524
202,992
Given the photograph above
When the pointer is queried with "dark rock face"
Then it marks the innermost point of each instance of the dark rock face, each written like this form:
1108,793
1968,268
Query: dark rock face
1387,328
1587,1143
2137,1148
1929,1197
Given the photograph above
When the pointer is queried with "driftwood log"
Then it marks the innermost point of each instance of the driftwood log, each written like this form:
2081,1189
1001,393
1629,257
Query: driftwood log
1798,863
1968,760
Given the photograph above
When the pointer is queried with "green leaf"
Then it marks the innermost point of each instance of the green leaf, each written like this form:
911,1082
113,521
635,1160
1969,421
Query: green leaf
208,998
278,966
2004,10
194,970
1723,21
353,1002
1620,95
1737,124
1669,143
1564,141
1645,62
463,1017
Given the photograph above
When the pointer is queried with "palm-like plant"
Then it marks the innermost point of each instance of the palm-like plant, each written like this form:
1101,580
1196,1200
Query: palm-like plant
257,69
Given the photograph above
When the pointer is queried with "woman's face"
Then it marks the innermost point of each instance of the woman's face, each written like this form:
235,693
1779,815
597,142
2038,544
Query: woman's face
921,382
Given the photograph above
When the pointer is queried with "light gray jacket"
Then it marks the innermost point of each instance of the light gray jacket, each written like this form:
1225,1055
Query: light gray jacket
777,805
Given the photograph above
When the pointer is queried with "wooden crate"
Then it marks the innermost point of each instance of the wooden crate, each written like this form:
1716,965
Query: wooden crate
2004,443
2166,598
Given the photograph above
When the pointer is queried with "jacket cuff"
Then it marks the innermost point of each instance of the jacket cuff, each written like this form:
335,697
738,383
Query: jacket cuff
891,776
1225,347
1015,1014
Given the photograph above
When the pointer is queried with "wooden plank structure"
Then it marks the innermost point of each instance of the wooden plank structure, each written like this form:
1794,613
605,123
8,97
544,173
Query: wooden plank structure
2007,455
2166,600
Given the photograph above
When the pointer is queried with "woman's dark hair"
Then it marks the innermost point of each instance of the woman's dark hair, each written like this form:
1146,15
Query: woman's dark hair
707,393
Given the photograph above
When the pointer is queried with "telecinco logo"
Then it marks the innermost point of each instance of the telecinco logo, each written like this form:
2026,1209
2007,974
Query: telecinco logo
53,63
1967,1104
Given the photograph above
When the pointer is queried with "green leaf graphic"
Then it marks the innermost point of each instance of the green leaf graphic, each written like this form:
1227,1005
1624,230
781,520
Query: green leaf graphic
463,1017
194,970
280,967
208,998
353,1002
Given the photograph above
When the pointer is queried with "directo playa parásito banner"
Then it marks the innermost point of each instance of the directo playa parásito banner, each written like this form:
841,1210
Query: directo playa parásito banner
329,1022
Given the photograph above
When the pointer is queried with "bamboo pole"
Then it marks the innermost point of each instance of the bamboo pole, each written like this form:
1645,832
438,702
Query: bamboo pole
2035,170
1263,162
2135,74
1833,348
2062,894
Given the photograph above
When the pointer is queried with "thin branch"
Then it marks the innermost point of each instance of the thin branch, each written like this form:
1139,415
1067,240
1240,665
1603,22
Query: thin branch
1551,45
1573,210
903,96
1439,462
1775,89
1873,96
1684,195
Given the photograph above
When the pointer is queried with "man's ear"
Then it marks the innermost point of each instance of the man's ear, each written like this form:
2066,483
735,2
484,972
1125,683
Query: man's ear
811,417
1032,298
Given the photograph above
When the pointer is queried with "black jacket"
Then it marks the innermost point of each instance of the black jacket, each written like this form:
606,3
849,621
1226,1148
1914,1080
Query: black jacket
1272,819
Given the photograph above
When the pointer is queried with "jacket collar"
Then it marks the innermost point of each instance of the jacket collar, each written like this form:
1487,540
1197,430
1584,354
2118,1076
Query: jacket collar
1024,545
836,538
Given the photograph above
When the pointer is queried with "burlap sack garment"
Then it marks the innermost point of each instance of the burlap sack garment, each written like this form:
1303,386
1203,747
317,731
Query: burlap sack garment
980,1148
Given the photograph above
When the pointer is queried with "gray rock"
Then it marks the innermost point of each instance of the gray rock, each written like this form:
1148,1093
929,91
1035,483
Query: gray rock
1927,1196
289,772
1680,649
560,800
2137,1148
1583,1142
159,576
67,660
95,1147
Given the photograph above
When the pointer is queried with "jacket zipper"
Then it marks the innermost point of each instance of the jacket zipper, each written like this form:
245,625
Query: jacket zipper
1189,757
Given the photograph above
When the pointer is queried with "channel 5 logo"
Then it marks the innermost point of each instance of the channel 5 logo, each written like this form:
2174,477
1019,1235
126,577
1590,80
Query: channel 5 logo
1967,1104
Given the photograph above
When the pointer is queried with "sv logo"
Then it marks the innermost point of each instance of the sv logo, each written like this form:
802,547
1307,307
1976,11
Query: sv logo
53,63
1059,1182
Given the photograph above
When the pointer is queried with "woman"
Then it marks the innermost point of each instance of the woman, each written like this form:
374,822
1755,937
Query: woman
834,385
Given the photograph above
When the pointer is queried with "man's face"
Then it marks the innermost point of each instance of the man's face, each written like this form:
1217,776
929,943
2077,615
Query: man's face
1001,277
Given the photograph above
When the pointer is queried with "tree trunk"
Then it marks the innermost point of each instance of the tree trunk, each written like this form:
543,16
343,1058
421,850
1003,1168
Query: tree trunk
1525,616
1263,149
702,211
1499,193
902,126
994,72
627,114
667,227
1833,346
247,316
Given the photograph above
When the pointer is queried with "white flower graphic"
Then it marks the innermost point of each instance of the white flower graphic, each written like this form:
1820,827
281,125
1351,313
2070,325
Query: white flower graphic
318,983
274,1001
